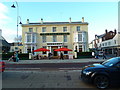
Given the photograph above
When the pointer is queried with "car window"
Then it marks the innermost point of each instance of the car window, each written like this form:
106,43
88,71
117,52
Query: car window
111,62
118,64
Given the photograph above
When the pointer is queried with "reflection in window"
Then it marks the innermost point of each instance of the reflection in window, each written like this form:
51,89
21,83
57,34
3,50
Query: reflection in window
43,29
54,29
65,38
78,28
30,29
64,29
43,39
54,38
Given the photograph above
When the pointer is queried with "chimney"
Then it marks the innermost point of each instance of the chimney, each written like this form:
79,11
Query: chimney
27,21
82,19
95,35
70,20
106,31
115,31
41,21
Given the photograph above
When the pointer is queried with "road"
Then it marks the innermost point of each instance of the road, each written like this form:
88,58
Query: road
44,76
43,79
47,66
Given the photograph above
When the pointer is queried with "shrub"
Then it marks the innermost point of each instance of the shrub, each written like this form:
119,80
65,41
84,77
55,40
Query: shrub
84,54
22,56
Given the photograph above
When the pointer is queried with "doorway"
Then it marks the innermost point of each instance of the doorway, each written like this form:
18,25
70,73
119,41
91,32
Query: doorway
54,52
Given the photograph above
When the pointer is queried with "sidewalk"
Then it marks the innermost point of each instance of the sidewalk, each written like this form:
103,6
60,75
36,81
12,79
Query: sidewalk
55,61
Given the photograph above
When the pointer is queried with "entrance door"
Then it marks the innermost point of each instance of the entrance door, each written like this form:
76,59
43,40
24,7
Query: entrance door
54,52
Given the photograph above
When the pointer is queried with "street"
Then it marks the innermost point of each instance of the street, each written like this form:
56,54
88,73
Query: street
38,74
43,79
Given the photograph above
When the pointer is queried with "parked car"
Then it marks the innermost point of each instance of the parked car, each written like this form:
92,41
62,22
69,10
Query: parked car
102,75
2,66
101,53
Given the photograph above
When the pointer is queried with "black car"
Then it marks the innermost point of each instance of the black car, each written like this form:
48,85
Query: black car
104,74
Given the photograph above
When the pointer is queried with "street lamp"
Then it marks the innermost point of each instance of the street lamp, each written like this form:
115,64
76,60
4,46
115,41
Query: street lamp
18,17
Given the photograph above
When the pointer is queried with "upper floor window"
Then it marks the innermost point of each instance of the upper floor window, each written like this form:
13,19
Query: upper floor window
28,37
30,29
109,43
64,29
79,37
43,29
65,38
115,41
54,29
43,39
33,38
105,44
78,28
54,38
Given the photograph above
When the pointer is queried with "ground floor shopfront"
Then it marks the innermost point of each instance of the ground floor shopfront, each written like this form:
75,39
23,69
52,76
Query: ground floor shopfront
28,48
115,51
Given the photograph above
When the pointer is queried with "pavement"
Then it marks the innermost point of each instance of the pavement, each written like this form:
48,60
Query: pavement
55,61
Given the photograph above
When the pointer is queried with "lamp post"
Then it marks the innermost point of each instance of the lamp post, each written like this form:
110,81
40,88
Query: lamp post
18,17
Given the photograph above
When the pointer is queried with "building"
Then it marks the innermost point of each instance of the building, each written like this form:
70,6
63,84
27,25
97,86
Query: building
108,42
4,45
53,35
16,46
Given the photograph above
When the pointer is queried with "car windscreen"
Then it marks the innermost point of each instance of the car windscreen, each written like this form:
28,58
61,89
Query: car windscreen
111,62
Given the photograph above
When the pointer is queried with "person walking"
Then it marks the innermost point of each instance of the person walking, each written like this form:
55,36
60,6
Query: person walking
49,55
61,56
16,56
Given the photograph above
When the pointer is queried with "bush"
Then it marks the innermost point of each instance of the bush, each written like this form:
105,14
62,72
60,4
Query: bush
84,54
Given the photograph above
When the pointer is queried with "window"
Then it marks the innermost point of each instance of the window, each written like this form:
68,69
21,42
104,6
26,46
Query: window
64,29
43,29
109,43
54,29
79,37
105,44
43,39
28,37
78,28
54,38
115,41
65,38
30,29
33,38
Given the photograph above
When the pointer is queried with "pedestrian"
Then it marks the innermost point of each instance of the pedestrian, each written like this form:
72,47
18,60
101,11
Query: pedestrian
16,56
104,56
61,56
96,55
49,55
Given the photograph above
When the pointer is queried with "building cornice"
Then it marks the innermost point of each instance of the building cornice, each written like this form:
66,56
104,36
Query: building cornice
54,23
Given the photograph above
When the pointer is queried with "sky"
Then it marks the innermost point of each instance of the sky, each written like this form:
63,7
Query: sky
99,15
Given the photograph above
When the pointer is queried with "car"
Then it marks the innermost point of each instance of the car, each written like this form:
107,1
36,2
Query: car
2,66
100,53
104,74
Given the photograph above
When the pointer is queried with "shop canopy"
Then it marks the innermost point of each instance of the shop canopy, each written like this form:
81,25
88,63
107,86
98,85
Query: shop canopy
41,50
63,49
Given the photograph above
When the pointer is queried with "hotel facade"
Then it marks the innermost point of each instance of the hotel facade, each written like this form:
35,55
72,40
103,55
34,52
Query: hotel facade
54,35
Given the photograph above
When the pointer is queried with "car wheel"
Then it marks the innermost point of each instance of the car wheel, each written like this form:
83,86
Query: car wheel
101,81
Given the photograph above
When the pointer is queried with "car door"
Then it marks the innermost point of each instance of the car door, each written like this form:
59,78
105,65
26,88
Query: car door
118,72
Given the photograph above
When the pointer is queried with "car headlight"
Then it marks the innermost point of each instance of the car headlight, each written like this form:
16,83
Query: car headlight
87,72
